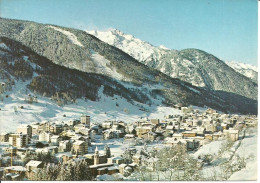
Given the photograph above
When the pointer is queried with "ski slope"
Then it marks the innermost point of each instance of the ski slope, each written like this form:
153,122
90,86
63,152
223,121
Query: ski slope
11,115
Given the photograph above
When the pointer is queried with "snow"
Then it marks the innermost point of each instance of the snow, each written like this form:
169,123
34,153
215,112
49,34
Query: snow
102,66
248,150
3,46
248,70
69,35
210,148
163,47
12,116
16,168
33,65
137,48
106,177
194,90
33,163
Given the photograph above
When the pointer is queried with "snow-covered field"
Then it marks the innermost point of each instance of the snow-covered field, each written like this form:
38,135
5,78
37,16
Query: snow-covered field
45,109
247,149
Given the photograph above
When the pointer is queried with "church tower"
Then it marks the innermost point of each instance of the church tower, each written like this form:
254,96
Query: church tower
96,156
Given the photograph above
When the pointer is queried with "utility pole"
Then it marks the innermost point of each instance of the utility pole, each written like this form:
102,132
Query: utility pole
11,156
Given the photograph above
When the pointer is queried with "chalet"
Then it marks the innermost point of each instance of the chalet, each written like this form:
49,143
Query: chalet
192,144
97,128
170,129
189,134
217,135
108,134
177,136
45,150
45,137
211,127
117,160
107,124
84,131
64,146
232,134
55,139
77,137
15,172
100,169
35,128
79,127
64,157
129,137
209,137
155,121
175,142
56,129
200,131
126,169
151,136
141,130
80,147
224,126
31,167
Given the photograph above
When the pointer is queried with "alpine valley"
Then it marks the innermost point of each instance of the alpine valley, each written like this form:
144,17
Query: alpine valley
74,70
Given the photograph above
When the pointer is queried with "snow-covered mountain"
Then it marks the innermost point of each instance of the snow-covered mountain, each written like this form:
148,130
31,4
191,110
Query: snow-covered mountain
191,65
140,50
67,65
247,70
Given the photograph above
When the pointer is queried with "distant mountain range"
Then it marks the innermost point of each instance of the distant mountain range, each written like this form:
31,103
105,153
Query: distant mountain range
66,64
191,65
247,70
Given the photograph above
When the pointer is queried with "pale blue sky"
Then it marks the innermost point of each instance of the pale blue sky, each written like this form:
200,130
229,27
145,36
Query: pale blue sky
225,28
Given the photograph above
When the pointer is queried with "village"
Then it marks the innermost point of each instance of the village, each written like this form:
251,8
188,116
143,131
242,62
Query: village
33,146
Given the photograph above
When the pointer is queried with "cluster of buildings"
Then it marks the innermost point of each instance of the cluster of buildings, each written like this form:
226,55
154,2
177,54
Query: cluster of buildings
71,141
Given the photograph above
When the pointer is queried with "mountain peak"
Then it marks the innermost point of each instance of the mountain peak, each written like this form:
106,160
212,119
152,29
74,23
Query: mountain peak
163,47
140,50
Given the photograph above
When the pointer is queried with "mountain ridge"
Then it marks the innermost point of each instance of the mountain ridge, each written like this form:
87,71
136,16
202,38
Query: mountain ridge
178,64
138,82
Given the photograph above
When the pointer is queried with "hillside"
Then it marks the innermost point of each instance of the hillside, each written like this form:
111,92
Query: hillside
191,65
247,70
68,64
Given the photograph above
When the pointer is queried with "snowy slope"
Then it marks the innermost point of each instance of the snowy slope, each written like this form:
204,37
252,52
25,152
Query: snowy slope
191,65
47,110
248,149
70,35
247,70
140,50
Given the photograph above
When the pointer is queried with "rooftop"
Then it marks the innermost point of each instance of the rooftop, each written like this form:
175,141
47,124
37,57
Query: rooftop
33,163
